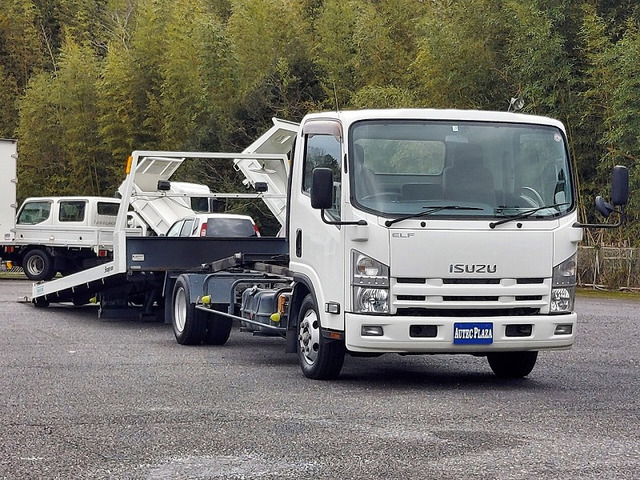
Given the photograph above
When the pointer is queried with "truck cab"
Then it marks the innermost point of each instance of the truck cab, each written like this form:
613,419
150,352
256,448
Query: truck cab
433,231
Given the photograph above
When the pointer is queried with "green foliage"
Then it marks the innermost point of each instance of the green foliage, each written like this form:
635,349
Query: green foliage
39,147
458,59
184,92
85,83
288,91
367,47
537,66
333,48
58,129
9,112
21,51
263,32
383,97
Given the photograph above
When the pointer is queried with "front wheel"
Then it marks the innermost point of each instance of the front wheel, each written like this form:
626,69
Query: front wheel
512,364
189,325
38,265
319,357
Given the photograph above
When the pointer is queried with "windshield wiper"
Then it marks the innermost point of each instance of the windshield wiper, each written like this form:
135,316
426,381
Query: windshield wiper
430,210
525,214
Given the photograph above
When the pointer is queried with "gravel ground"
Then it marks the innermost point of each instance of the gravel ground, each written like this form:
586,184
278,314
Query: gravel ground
82,397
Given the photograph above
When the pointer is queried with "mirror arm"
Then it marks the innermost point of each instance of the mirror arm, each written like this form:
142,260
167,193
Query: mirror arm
620,221
331,222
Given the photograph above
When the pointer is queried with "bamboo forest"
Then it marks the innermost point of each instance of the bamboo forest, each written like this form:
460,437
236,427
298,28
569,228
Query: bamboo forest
85,82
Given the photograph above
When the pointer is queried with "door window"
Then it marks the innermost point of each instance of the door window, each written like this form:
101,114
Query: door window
323,150
186,228
72,210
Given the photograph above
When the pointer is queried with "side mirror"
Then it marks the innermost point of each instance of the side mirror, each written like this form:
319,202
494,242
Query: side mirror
322,195
322,188
619,192
619,198
605,208
620,186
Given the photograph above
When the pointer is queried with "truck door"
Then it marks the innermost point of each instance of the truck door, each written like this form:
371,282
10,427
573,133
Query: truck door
316,248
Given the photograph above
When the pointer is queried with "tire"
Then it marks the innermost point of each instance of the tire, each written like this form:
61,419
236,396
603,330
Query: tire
81,299
70,270
319,357
38,265
512,364
189,325
40,303
218,329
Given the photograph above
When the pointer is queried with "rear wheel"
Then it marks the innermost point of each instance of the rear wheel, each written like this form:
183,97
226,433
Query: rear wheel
82,298
320,358
218,329
38,265
512,364
189,325
40,303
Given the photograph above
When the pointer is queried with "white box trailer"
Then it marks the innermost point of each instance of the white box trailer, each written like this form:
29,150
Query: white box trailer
8,207
407,231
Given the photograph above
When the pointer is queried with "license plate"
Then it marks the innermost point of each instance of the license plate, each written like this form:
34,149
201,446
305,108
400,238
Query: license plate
473,333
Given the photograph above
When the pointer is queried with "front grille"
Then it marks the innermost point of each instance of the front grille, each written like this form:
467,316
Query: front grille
481,297
411,280
470,281
411,298
467,312
470,299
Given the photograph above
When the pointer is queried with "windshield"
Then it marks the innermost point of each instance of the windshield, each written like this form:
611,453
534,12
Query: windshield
401,167
34,212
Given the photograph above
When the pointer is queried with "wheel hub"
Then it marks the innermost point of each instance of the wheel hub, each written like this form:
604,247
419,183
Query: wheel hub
309,337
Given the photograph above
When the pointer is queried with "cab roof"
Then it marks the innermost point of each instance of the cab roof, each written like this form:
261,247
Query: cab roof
347,117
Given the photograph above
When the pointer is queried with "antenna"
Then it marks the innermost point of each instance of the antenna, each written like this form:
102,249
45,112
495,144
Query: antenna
335,97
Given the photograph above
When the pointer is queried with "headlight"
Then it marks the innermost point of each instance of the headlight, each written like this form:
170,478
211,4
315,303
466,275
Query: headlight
370,284
563,288
371,300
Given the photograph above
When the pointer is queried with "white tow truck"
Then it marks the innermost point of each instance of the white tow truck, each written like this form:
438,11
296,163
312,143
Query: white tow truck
407,231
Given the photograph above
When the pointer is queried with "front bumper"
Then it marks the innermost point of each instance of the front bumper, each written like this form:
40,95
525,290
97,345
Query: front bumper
396,336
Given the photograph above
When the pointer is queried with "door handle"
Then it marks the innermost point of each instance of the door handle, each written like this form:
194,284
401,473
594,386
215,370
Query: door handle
299,243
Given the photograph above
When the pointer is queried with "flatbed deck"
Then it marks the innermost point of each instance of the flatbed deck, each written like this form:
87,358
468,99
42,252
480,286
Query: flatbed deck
149,262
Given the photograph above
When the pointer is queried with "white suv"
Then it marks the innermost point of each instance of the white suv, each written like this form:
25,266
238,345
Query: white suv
214,225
